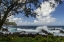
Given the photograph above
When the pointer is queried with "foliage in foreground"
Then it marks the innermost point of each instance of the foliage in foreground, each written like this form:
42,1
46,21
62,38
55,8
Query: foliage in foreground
38,38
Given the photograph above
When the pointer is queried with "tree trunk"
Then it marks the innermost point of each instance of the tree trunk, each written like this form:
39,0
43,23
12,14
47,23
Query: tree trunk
0,18
5,15
3,20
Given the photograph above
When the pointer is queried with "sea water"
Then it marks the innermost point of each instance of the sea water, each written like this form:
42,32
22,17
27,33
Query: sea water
37,28
14,28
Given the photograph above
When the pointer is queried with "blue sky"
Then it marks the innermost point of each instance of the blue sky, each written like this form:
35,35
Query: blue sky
56,17
59,13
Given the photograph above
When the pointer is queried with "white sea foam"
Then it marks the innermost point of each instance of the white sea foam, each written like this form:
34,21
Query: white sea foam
38,29
58,34
42,27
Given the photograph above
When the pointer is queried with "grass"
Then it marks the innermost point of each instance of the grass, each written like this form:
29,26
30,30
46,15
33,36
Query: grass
38,38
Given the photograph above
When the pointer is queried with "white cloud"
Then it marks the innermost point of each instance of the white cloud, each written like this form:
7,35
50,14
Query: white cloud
18,21
35,21
45,13
12,19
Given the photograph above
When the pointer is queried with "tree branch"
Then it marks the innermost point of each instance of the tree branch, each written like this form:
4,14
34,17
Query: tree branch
5,15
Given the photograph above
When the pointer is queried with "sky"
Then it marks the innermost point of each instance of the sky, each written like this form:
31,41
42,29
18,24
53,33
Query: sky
47,15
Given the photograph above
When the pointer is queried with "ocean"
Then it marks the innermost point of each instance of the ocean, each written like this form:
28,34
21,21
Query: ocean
14,28
24,27
36,29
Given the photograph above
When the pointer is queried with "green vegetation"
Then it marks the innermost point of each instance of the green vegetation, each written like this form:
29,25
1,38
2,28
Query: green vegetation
38,38
12,23
9,23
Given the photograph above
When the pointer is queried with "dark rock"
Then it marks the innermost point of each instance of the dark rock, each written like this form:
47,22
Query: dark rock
4,29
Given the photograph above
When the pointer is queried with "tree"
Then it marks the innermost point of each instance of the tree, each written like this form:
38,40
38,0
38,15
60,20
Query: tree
12,7
11,23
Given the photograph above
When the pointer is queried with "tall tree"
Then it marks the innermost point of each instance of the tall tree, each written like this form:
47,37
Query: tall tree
12,7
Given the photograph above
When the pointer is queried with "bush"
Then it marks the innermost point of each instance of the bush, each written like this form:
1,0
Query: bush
49,38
